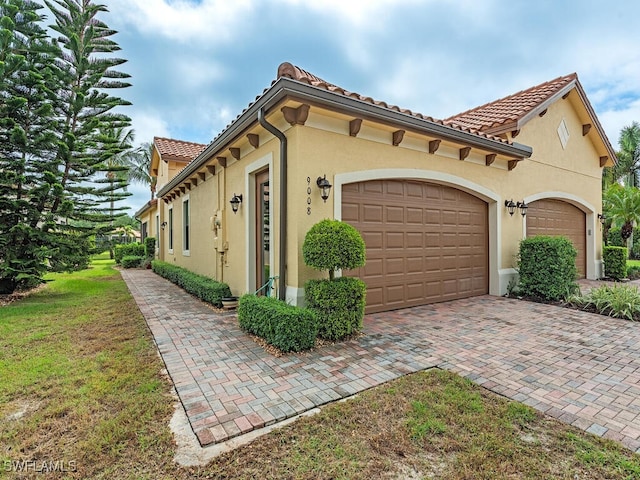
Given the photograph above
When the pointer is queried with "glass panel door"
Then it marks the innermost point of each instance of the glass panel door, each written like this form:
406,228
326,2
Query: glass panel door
263,225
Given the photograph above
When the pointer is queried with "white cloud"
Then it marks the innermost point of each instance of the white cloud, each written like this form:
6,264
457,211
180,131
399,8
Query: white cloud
184,21
615,120
148,124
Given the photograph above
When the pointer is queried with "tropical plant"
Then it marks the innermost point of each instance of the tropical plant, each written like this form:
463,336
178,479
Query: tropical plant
619,301
621,207
29,177
627,169
53,104
140,166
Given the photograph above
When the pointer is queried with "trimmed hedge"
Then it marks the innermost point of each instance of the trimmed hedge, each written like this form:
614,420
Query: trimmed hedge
547,267
289,328
332,244
128,249
150,247
131,261
339,305
205,288
615,262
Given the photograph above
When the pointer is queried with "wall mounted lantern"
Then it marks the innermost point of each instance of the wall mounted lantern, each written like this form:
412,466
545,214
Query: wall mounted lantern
602,218
523,207
325,186
511,206
163,225
235,202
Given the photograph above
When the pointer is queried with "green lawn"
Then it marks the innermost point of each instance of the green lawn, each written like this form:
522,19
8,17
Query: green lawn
80,384
633,263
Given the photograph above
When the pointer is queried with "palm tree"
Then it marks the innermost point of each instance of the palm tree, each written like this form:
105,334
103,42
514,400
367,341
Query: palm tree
621,207
140,171
119,143
627,170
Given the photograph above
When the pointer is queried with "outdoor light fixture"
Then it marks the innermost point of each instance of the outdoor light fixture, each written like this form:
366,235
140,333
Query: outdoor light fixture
523,207
325,186
602,218
235,202
163,225
511,206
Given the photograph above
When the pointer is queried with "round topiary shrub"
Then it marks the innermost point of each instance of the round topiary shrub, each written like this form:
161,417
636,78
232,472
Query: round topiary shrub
331,245
338,302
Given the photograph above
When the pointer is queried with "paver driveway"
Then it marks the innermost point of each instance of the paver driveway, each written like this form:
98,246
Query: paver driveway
581,368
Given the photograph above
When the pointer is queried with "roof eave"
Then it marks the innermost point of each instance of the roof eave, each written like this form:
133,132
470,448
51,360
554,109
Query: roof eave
285,87
147,206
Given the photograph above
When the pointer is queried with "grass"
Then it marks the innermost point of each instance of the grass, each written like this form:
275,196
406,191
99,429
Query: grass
80,383
633,263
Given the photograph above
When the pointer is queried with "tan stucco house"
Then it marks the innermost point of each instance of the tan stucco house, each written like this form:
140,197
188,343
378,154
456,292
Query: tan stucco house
431,197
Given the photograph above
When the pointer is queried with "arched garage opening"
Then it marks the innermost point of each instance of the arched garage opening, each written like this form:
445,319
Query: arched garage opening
426,242
556,217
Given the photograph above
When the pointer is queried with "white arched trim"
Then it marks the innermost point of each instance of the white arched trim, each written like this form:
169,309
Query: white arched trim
493,200
594,265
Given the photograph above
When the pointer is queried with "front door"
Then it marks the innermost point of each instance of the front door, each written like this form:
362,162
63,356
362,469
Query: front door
263,222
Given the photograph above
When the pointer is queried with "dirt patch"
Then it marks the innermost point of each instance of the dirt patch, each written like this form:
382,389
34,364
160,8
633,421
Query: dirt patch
18,409
7,299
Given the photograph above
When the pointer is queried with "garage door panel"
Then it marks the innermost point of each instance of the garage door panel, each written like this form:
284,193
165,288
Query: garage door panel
372,213
555,217
394,266
434,242
394,240
414,216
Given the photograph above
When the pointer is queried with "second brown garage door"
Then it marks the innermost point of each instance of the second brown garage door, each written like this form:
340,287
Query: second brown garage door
425,243
555,217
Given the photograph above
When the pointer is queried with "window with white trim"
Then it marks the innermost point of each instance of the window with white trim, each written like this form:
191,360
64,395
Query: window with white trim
185,226
157,232
171,229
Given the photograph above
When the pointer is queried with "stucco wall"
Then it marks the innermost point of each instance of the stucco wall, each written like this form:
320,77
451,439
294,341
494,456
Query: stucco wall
323,147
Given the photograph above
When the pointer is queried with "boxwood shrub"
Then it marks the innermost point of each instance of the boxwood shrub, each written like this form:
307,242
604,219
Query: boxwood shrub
131,261
615,262
205,288
547,267
289,328
150,247
339,305
128,249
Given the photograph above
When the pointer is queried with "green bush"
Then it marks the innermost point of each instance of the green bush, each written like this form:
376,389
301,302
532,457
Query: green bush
131,261
332,244
547,267
620,301
289,328
615,262
205,288
614,239
128,249
339,305
150,247
633,272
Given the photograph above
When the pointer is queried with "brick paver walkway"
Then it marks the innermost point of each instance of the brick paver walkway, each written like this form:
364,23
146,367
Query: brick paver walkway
581,368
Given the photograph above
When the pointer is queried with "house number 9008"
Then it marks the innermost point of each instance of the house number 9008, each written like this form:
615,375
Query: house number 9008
308,195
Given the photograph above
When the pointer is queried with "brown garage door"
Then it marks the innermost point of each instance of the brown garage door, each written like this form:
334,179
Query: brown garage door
555,217
425,243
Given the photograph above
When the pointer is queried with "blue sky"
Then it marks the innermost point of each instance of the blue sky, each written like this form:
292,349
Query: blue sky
197,64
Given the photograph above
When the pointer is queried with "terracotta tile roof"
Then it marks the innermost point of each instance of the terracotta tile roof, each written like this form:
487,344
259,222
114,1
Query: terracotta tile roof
504,114
293,72
178,150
